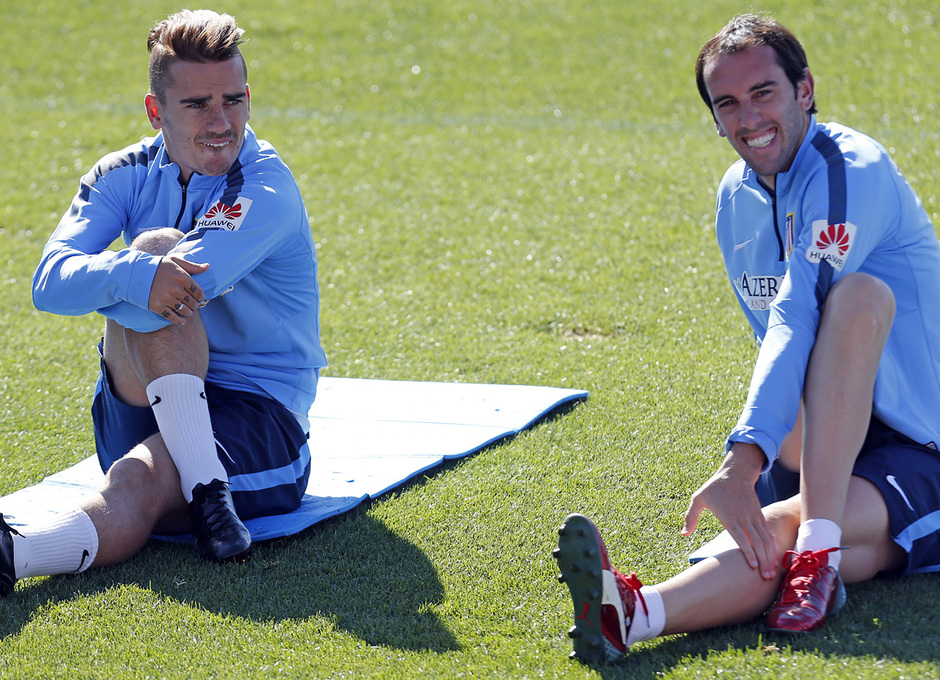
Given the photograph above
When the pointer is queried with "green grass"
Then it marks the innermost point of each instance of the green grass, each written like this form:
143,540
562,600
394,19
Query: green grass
502,191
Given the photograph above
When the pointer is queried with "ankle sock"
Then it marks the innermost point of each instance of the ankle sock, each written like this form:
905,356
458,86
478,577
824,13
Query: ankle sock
820,534
647,626
179,404
66,545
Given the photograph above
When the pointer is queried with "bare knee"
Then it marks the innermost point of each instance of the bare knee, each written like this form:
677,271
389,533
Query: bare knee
158,241
146,479
784,519
862,304
129,476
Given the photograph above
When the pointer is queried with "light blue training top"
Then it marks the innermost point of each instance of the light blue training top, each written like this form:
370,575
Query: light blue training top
250,225
842,207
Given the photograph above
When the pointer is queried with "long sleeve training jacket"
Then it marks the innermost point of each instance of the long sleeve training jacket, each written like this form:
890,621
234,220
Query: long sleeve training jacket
842,207
250,225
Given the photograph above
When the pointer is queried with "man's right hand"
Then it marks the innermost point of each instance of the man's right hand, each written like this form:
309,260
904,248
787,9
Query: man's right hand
730,495
174,294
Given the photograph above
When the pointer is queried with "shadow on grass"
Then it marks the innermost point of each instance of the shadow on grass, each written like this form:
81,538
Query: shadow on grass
351,571
885,619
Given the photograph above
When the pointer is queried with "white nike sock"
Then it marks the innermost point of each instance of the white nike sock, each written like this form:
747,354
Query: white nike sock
820,534
179,404
66,545
647,626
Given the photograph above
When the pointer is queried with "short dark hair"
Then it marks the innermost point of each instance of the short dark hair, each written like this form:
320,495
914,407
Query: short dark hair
198,36
752,30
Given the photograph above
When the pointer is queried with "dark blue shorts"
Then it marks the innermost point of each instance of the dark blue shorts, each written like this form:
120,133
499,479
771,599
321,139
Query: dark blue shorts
260,443
908,476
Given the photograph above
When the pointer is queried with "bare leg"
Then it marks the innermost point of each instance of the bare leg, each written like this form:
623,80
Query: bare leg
723,590
143,489
866,531
135,359
791,451
141,493
838,392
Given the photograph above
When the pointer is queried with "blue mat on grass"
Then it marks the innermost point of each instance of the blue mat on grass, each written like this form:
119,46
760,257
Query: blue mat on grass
367,437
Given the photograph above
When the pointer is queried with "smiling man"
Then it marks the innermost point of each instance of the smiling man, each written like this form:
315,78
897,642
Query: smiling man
837,268
211,350
764,127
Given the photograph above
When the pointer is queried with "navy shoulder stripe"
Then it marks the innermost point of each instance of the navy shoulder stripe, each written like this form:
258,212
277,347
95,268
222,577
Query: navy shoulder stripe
835,162
823,283
116,161
234,181
123,159
838,204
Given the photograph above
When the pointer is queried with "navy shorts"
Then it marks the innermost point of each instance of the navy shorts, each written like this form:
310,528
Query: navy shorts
261,444
908,476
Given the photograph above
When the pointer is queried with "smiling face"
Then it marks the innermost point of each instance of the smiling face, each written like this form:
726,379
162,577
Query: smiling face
762,113
202,115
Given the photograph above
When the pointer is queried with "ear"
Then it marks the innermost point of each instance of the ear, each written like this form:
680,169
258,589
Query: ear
248,97
721,132
806,90
152,105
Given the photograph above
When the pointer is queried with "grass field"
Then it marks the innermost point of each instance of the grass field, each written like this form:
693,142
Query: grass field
515,191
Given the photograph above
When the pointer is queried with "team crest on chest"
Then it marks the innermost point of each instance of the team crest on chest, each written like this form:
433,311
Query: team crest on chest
222,216
831,243
788,235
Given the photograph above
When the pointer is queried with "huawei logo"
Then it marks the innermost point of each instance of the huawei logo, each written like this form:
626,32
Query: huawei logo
222,216
222,211
831,243
834,236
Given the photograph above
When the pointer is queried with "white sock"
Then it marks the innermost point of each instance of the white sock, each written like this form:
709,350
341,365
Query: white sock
647,626
179,404
66,545
820,534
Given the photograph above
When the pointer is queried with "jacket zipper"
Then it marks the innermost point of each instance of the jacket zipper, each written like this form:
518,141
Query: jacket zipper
773,205
179,217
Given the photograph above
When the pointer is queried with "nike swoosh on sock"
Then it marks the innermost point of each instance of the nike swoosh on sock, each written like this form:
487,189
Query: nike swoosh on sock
81,564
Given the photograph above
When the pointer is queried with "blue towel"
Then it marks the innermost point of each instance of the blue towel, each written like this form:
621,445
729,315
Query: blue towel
367,437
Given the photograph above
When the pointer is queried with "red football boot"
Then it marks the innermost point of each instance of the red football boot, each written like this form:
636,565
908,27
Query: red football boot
604,599
810,592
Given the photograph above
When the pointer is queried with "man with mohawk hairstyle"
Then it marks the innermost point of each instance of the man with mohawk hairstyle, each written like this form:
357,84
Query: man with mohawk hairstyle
211,351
